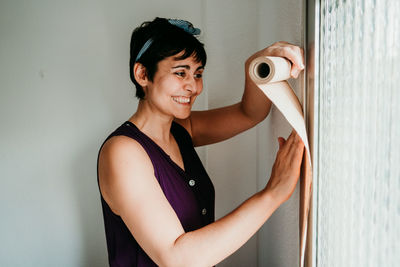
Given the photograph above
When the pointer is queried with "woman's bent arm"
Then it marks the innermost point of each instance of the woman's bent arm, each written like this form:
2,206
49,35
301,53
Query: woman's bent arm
211,244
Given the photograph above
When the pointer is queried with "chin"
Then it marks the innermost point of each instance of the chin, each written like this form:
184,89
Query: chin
182,116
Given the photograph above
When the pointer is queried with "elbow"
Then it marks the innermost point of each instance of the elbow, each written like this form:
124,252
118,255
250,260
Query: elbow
181,259
183,254
253,115
172,259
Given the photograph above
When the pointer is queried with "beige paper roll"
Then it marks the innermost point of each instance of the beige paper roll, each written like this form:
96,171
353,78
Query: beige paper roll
270,75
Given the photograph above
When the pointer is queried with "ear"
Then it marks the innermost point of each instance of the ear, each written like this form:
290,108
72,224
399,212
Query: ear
140,73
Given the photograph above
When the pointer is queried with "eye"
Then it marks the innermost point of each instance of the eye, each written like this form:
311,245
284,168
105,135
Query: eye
198,75
180,73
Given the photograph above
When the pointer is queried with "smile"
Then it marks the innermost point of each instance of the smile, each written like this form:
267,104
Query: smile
181,99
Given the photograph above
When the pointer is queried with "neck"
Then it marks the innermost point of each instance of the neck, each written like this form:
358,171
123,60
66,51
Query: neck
152,122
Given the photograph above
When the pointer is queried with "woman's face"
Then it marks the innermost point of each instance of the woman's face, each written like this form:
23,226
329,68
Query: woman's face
175,86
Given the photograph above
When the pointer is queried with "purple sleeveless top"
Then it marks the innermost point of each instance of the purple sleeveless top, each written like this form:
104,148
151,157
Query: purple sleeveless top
190,193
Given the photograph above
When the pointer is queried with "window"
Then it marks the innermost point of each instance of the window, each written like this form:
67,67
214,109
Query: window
357,188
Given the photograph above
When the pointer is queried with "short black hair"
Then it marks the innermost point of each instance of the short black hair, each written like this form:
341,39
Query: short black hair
168,40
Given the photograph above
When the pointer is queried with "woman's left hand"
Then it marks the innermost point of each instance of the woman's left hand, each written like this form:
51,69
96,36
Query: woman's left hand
291,52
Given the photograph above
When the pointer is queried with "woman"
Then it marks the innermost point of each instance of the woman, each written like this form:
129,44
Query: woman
157,199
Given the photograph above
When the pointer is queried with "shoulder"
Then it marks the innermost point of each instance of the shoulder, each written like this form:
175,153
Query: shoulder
123,162
121,148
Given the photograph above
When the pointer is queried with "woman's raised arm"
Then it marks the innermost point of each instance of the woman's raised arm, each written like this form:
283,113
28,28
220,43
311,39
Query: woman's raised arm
212,126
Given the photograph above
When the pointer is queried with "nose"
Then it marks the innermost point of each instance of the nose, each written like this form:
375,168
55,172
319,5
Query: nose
190,84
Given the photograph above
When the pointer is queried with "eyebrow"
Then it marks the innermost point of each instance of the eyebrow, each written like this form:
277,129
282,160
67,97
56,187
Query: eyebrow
186,67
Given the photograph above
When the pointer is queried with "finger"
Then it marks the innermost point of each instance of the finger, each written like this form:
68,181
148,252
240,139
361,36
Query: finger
296,149
291,137
298,57
281,142
296,153
295,141
285,148
294,72
295,55
295,137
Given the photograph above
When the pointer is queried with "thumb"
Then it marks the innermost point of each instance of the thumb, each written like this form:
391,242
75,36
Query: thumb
281,142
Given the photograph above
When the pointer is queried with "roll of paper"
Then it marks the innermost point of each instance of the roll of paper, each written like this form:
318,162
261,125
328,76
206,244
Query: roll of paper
270,74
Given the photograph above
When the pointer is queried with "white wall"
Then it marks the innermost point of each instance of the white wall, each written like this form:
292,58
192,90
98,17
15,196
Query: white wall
64,85
241,166
278,239
231,164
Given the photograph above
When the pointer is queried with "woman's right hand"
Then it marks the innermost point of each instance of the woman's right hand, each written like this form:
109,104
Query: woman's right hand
286,170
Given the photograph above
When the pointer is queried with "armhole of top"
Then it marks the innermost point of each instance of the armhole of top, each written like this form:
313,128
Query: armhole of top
186,124
180,133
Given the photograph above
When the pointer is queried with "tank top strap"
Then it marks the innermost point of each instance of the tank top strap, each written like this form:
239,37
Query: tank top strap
181,135
154,151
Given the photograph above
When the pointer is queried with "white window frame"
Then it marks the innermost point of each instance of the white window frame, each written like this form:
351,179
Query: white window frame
310,109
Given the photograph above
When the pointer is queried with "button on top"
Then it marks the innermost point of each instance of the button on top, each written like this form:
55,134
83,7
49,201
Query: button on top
192,182
204,211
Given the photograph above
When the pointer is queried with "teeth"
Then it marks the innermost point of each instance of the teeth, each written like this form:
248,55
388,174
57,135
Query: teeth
181,99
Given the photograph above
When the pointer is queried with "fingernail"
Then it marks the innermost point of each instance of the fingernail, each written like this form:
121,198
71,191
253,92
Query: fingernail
302,66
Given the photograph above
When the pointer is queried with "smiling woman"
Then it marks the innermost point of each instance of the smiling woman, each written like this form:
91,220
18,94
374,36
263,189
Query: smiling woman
157,199
177,82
